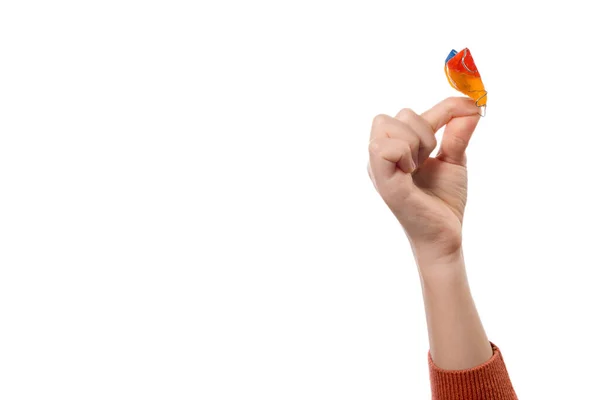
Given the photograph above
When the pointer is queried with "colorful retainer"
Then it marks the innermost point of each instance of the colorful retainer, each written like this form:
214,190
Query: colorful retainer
463,76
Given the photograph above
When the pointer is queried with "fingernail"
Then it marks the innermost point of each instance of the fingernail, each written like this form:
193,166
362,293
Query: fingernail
413,165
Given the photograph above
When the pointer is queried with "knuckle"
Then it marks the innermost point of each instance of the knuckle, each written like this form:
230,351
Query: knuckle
430,143
380,119
375,146
415,142
405,113
454,104
459,142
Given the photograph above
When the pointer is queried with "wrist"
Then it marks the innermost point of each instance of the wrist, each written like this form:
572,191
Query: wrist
435,265
437,253
443,246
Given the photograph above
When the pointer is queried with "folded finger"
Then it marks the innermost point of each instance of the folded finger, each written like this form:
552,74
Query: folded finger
386,155
426,135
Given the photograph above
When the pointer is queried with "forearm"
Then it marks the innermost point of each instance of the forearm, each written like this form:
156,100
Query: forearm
456,335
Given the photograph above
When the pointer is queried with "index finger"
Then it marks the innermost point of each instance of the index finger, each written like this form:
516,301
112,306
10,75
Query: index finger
452,107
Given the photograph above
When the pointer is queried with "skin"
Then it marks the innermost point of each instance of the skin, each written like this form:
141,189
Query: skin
428,196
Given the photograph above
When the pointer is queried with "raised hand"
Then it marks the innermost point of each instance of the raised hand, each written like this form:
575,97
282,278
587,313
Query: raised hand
426,194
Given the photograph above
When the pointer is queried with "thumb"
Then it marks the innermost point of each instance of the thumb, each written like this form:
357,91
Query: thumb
460,115
456,138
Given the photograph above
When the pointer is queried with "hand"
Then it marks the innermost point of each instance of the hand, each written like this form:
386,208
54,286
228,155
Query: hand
427,195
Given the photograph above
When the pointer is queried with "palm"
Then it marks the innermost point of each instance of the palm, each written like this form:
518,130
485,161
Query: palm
442,186
436,201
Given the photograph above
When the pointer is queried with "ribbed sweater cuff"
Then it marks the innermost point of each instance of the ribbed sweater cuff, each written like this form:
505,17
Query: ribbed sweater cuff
487,381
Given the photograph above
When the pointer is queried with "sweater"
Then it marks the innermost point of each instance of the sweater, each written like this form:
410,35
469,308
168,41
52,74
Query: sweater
488,381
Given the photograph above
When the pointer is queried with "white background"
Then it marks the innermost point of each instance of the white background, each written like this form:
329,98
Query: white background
185,211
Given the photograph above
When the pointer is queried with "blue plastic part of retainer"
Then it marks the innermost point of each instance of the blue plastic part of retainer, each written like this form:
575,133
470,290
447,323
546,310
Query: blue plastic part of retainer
452,54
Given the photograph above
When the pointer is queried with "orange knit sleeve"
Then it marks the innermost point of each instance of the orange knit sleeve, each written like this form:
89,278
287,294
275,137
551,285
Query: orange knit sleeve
489,381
